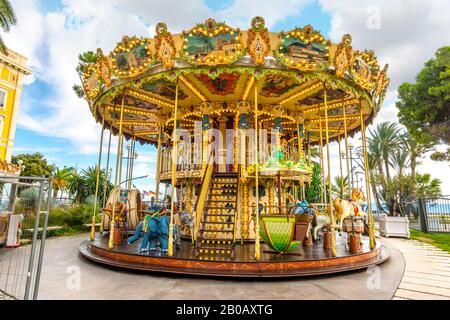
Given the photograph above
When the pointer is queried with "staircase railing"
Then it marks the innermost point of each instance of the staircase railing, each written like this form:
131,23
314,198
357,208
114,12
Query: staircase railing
201,200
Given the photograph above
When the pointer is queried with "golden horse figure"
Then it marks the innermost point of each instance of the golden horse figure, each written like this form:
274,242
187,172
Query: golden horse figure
349,208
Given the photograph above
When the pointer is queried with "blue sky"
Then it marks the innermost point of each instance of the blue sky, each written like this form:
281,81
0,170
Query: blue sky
56,148
53,32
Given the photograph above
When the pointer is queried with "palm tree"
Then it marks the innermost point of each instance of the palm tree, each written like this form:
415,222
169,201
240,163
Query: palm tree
61,179
427,187
76,187
7,19
90,179
384,140
340,187
400,160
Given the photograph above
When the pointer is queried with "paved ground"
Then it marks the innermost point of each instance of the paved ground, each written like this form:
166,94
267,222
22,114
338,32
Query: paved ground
63,267
427,271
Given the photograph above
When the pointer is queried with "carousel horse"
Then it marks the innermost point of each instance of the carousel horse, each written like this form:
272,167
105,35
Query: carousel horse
318,221
153,229
348,208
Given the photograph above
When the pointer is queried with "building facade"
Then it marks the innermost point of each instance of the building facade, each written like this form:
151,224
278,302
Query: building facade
12,71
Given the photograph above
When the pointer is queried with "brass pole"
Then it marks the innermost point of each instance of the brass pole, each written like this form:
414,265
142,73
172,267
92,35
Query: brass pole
158,164
367,176
340,161
174,168
322,162
257,242
333,235
121,161
105,193
107,167
117,180
97,182
347,155
299,142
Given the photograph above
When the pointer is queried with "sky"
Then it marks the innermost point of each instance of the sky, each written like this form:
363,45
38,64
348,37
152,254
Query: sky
51,33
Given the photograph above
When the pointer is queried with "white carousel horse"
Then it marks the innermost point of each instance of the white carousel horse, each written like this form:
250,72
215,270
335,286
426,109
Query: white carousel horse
349,208
344,209
321,220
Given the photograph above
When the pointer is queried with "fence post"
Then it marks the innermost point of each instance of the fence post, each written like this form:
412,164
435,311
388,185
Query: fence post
33,244
423,215
44,235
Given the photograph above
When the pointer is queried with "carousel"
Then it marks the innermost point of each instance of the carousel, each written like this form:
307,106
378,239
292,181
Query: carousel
240,120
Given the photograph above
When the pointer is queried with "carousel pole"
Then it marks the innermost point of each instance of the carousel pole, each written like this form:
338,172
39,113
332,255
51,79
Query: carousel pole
107,167
340,158
133,156
322,162
105,189
129,152
121,161
347,156
300,141
367,176
257,241
174,168
117,178
158,164
97,182
309,147
333,235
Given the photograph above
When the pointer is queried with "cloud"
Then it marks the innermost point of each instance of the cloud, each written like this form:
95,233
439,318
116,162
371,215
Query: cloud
409,31
53,41
409,34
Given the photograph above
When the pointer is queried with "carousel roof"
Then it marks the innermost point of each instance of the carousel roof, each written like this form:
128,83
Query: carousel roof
216,68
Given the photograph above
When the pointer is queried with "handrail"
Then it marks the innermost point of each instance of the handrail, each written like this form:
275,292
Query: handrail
206,184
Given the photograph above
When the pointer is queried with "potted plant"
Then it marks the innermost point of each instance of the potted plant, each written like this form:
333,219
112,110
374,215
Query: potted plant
391,226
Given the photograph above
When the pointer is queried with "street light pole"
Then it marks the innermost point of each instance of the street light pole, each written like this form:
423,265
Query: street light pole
350,148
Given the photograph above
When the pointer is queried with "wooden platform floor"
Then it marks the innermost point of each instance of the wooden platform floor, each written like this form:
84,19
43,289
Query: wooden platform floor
303,261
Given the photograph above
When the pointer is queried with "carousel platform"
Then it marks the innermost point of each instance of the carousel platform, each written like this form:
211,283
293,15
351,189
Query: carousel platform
304,261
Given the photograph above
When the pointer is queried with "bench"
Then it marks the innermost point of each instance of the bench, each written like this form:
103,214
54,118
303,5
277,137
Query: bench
49,229
89,225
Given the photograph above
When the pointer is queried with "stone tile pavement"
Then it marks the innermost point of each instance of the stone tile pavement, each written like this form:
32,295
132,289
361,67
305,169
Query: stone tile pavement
68,276
427,271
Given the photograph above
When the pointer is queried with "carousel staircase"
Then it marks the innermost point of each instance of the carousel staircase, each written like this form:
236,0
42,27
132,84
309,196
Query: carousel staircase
216,234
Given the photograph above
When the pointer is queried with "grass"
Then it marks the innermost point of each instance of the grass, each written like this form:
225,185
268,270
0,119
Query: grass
440,240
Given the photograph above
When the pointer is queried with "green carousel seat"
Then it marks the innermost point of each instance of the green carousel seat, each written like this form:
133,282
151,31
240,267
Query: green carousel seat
278,232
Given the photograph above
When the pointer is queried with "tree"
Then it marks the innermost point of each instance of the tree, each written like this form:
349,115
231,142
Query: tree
340,187
385,139
427,187
7,19
82,184
61,179
76,187
313,190
424,106
84,59
35,165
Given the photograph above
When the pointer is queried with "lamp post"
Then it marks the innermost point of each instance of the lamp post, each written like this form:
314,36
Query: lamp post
132,155
353,156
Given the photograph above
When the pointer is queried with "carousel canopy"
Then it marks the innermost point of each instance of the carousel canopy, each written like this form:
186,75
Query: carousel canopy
216,67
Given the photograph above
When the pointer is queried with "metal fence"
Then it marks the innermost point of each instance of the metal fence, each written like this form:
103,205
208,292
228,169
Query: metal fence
24,209
434,214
